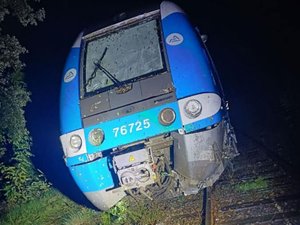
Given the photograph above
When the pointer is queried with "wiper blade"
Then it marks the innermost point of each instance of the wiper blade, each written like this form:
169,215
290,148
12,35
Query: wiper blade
106,72
103,54
121,88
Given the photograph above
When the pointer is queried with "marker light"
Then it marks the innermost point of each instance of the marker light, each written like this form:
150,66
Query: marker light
75,142
96,136
192,108
167,116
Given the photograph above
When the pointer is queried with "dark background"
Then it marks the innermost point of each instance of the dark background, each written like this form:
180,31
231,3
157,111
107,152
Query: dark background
254,45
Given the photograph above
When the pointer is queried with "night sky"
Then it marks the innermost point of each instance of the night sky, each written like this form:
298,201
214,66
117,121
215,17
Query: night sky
253,44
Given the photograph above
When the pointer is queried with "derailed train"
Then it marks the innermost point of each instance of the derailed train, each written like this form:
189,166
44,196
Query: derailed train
142,110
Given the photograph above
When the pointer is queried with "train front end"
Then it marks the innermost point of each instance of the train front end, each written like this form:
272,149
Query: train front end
142,112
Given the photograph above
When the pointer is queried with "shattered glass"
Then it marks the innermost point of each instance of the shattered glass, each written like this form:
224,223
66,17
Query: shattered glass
131,52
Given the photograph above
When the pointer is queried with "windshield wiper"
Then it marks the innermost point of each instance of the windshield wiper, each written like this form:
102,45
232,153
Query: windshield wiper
105,71
121,88
108,74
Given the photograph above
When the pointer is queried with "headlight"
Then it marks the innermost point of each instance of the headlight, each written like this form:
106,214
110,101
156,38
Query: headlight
167,116
75,142
192,108
96,136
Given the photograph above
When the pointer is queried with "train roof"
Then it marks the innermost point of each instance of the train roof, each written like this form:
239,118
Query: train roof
120,17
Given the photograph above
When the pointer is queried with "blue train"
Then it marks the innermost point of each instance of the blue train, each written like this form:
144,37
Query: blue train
142,109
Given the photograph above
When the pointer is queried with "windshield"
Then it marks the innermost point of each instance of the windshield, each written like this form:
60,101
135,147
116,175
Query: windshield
125,55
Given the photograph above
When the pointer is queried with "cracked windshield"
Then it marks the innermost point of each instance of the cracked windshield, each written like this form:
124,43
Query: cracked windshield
122,56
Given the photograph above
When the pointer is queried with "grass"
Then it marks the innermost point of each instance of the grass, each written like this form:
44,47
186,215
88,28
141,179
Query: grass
143,213
82,217
258,183
51,208
54,208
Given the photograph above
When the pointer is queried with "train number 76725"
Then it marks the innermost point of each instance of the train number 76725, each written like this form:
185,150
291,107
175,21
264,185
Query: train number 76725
131,127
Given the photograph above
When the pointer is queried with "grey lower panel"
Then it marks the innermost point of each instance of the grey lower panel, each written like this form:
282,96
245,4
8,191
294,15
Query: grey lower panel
104,200
94,105
198,157
128,110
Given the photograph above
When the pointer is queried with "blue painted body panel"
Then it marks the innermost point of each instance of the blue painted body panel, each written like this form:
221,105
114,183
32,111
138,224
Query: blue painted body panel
188,64
78,159
111,140
70,118
204,123
93,176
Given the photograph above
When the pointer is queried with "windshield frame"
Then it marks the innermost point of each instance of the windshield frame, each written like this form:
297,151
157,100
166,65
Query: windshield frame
155,15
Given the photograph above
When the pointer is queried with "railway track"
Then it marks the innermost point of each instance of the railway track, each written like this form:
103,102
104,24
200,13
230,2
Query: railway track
257,189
